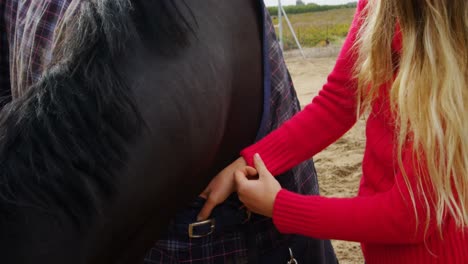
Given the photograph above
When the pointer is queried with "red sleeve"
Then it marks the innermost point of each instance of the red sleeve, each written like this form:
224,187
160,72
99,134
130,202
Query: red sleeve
330,114
387,217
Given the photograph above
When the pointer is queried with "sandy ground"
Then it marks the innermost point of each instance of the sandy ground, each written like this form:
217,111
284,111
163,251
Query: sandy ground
338,166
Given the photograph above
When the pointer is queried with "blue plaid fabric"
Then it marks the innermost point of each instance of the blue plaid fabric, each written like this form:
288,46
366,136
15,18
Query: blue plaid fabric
237,240
35,50
5,90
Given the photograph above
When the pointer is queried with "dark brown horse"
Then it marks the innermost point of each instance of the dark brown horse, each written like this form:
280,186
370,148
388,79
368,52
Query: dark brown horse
143,102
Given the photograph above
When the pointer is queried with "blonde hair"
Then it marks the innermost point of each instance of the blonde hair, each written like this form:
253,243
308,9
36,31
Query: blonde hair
429,93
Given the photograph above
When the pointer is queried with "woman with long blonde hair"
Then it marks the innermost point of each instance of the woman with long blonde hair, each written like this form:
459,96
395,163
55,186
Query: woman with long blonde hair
404,66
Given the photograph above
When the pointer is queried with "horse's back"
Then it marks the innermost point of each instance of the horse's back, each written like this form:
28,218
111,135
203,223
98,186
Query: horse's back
202,104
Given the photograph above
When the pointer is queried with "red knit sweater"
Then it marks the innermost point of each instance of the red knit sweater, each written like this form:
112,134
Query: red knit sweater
382,216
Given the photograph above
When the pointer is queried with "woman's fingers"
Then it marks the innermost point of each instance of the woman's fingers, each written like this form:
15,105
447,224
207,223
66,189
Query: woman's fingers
241,178
248,187
215,196
205,212
260,166
257,195
248,172
221,186
205,193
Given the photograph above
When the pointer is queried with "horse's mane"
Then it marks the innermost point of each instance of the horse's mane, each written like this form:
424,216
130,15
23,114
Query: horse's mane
62,142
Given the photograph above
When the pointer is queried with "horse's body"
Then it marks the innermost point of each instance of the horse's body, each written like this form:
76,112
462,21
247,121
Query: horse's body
136,112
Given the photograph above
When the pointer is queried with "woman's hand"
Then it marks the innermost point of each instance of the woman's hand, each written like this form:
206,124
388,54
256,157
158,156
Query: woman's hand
221,186
257,195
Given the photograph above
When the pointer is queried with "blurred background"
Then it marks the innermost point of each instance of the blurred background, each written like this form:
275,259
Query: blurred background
321,27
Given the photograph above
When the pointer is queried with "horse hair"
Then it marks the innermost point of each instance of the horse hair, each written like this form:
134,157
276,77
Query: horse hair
64,140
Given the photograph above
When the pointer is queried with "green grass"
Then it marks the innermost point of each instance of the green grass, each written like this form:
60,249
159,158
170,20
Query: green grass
294,9
313,28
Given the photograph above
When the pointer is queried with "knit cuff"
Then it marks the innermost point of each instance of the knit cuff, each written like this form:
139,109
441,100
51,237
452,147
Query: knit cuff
274,151
292,214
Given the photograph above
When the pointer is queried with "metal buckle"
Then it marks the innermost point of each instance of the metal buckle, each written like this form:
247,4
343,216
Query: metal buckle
292,260
191,226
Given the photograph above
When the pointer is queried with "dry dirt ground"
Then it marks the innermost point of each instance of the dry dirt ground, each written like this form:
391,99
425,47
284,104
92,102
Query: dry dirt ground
338,166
